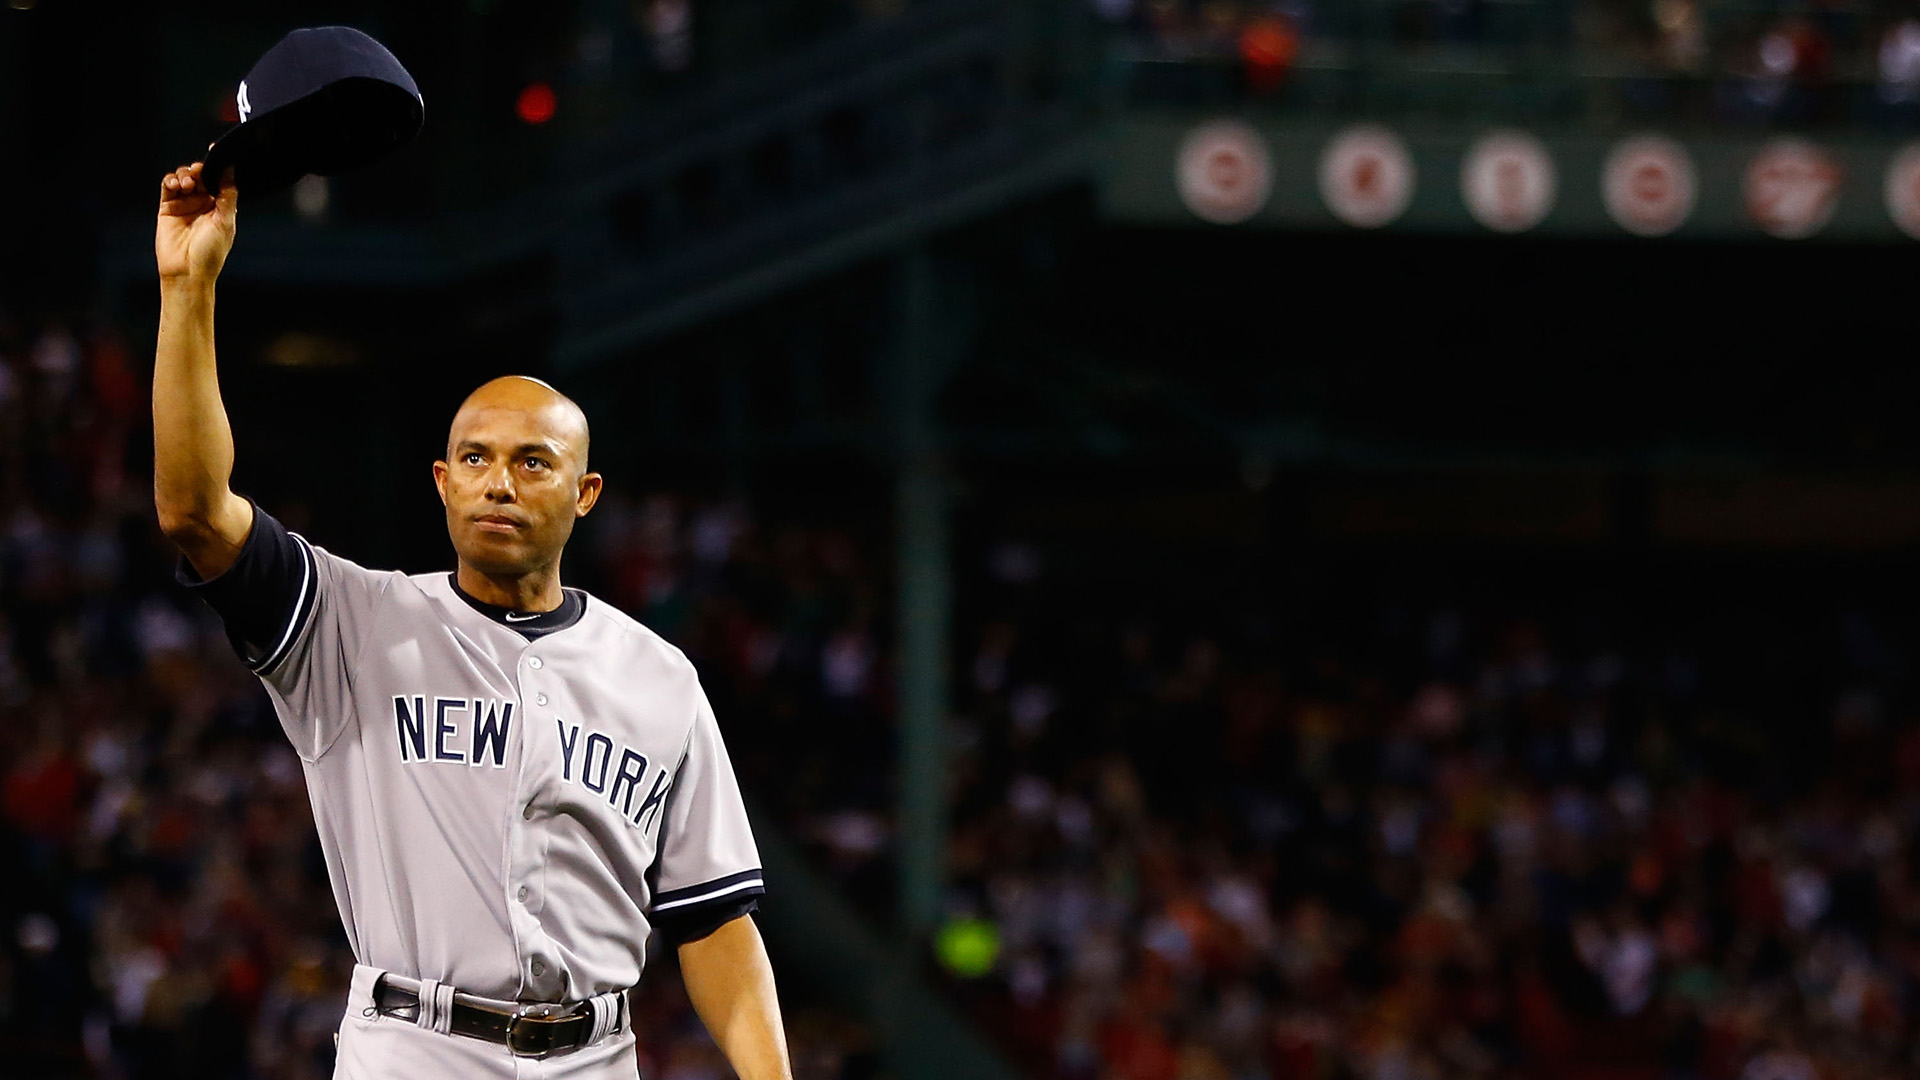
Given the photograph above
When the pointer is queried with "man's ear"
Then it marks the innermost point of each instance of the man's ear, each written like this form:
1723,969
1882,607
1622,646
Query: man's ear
440,480
590,485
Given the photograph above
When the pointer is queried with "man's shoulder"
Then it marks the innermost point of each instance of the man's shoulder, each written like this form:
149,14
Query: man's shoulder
346,566
346,578
632,634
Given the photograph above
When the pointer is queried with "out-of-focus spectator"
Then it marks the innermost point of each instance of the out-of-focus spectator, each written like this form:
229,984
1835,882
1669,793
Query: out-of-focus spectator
1899,64
669,26
1682,40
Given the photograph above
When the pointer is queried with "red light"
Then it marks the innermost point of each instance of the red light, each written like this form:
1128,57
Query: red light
1268,47
536,103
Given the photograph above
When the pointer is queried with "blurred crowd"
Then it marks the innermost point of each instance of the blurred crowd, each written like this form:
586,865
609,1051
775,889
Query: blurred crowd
1711,60
1772,61
170,914
1445,843
659,41
1357,831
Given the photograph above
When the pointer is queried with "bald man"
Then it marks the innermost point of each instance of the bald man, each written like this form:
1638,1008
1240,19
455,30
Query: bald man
514,783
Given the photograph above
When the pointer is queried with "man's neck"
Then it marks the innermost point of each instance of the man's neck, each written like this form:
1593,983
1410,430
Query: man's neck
537,590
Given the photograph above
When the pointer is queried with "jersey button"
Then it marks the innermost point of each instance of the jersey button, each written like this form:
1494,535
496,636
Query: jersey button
538,967
528,812
534,663
523,894
540,699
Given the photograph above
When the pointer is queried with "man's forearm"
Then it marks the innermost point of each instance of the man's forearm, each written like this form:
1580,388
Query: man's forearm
730,982
192,441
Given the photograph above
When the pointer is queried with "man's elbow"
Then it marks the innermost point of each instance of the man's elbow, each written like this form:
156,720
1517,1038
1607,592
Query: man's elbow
196,525
188,526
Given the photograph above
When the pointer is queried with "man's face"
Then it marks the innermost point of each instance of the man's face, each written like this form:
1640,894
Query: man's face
513,482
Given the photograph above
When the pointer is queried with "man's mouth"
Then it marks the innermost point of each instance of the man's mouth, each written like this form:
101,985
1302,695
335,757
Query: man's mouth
499,523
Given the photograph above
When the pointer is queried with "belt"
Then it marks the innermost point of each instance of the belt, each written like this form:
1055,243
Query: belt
531,1029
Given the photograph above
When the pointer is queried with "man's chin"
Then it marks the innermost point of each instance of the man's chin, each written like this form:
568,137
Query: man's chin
497,556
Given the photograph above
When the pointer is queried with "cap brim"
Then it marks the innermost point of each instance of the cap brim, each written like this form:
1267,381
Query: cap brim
343,126
251,151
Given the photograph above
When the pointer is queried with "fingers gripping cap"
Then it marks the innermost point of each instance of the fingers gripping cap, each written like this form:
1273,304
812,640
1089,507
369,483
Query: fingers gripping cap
326,100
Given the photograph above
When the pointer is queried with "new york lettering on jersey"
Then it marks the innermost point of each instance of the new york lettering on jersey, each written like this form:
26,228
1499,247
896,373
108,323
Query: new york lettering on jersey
454,740
592,768
474,731
437,731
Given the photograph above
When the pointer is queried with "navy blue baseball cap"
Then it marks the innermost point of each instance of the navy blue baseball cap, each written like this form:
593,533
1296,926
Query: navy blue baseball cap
323,100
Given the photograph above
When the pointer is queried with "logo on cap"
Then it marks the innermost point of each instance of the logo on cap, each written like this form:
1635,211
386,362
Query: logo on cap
240,99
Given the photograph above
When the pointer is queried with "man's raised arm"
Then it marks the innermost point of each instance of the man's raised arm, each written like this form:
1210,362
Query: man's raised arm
192,443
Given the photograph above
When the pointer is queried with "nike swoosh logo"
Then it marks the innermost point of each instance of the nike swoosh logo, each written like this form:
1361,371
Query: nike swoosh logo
511,617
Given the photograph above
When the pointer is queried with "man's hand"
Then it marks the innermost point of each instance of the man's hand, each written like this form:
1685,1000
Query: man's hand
195,230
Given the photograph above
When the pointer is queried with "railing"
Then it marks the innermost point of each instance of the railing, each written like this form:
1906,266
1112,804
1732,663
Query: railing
836,158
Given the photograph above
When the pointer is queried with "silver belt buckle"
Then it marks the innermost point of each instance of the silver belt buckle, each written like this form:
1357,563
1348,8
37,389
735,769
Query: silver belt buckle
531,1031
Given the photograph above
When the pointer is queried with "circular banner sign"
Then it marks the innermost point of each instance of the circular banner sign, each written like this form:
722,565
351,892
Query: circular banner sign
1366,176
1223,172
1649,185
1792,188
1903,190
1508,181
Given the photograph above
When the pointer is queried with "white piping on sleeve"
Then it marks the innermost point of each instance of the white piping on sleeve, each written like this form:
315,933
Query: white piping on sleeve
750,883
299,607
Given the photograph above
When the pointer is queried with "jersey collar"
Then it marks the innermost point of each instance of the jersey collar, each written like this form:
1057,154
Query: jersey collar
528,624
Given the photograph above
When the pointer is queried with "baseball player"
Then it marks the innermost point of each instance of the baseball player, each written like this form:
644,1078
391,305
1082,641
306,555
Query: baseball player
512,781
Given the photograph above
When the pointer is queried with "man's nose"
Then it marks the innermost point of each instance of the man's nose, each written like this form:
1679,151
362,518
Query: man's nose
499,487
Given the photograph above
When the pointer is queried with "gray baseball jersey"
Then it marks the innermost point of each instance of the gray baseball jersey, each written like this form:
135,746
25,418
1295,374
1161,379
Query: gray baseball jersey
507,801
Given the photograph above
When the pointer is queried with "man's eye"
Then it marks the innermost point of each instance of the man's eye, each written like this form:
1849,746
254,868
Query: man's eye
472,459
536,463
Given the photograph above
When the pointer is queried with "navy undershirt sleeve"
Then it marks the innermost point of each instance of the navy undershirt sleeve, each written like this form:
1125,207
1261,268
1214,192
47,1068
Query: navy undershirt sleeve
691,924
264,595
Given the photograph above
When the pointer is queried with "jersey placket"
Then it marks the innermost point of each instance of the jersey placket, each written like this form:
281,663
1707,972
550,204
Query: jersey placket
540,974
